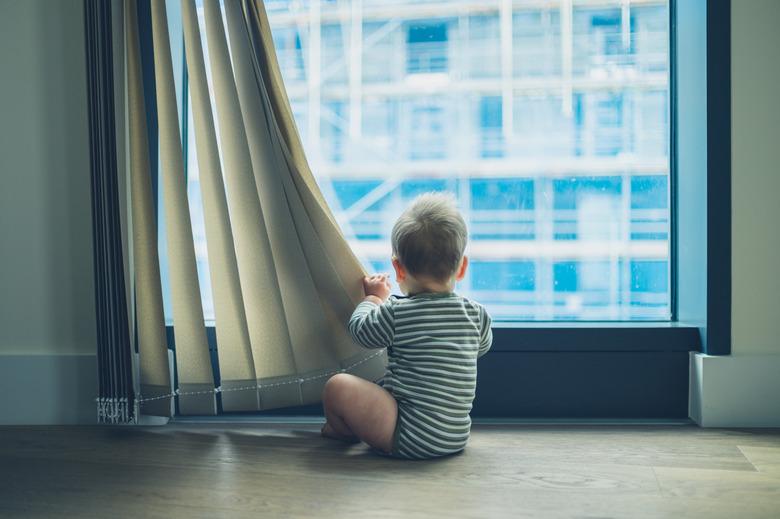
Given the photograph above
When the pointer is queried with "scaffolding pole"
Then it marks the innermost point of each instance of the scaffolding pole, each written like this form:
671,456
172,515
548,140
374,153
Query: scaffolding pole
567,56
314,83
507,94
356,69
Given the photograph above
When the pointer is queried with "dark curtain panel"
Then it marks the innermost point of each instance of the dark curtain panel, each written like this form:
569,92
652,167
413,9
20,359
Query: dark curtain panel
116,399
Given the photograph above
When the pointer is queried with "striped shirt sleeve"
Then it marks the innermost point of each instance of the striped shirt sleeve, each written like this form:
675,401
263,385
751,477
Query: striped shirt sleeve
486,333
371,325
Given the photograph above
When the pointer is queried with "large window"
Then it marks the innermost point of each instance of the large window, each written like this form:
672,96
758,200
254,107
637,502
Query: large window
548,120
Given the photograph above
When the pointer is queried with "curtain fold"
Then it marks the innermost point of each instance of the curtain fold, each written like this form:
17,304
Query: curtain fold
116,395
318,213
193,361
235,353
266,320
154,373
299,295
284,281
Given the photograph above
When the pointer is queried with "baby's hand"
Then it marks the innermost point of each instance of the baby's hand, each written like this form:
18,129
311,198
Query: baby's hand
377,285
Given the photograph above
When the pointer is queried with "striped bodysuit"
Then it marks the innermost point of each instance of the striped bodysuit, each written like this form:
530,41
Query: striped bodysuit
433,342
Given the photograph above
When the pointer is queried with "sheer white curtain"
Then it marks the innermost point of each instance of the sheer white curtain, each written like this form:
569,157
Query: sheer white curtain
284,279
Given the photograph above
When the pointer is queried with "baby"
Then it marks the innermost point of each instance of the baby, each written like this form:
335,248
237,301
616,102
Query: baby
433,338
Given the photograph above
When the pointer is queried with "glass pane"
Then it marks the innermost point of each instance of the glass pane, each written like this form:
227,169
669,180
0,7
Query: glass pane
554,139
554,136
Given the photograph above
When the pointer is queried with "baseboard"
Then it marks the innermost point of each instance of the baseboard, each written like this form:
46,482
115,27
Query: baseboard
48,389
735,390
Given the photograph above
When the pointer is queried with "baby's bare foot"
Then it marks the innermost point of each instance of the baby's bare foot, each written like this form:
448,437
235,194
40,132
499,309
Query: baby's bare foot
328,432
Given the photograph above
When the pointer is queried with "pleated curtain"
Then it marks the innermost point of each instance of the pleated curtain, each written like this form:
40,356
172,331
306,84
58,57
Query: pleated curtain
115,392
283,278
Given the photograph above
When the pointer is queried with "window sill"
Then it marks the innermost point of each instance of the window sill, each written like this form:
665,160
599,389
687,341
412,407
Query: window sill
527,336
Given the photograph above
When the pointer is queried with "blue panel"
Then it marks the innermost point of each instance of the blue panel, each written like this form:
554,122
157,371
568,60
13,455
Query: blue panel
381,266
649,236
610,123
412,188
607,23
490,115
502,194
565,276
649,276
427,48
566,191
350,191
476,236
427,33
610,111
609,19
369,236
503,275
650,192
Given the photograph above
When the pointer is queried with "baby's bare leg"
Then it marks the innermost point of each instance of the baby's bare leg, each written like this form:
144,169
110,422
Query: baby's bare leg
356,408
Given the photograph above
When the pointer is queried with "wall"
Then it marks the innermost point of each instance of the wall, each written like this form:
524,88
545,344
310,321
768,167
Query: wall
755,83
47,322
743,389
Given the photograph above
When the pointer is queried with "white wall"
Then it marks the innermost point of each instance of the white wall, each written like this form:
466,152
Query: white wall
755,147
47,322
744,389
47,299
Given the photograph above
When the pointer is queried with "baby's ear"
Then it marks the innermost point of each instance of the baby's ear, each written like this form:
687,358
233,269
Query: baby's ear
400,272
461,273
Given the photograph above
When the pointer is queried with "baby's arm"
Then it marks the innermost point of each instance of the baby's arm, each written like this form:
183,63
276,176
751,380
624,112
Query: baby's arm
486,333
371,324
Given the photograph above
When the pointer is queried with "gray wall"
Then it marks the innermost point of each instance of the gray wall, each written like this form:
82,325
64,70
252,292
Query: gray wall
47,299
47,308
755,134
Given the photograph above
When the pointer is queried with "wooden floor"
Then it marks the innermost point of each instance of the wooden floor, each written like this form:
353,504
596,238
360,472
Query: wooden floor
249,470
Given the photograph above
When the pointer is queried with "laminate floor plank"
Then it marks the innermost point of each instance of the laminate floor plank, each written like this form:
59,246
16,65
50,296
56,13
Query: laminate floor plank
288,470
765,459
721,484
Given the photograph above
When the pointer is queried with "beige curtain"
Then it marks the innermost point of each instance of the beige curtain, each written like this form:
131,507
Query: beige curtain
284,279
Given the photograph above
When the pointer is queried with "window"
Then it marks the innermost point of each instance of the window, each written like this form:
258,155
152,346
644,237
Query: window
490,114
426,49
425,128
536,42
555,141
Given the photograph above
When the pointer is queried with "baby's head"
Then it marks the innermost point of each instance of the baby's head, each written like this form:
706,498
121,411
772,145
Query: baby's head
428,241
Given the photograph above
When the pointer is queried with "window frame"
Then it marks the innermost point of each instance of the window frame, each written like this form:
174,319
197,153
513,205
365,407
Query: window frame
614,369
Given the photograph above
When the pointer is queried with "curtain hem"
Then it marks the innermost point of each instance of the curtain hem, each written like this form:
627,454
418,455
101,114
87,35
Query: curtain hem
276,392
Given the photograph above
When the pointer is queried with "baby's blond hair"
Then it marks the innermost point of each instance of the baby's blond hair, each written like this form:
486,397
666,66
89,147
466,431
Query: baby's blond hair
430,237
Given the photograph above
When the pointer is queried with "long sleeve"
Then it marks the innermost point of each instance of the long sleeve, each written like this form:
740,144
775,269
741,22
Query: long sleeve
371,325
486,333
